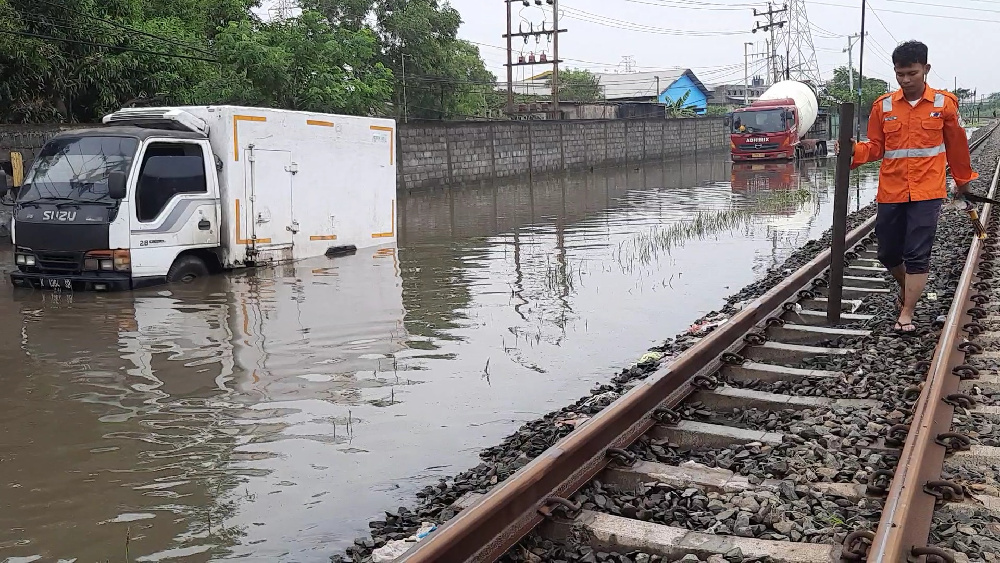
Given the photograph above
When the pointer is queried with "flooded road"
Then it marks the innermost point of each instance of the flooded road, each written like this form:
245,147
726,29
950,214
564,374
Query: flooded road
270,416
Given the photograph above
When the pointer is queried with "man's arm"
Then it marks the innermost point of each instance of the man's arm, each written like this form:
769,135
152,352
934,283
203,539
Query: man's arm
874,148
956,143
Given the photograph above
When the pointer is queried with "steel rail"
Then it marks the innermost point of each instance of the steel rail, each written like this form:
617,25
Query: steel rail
908,511
490,526
497,521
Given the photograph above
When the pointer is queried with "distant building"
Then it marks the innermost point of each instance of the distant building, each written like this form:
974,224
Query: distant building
733,94
665,87
661,87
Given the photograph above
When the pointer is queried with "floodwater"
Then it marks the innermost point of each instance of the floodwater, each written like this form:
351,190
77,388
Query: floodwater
269,416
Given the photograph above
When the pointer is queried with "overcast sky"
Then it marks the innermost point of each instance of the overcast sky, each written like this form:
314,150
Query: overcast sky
708,35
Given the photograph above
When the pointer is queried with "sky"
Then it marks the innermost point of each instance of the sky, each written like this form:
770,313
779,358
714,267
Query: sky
708,36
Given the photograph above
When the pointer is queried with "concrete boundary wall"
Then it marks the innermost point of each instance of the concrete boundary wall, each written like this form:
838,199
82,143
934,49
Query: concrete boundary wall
455,153
444,154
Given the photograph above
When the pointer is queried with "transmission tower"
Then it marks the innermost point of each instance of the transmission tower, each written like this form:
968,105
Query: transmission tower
282,10
795,46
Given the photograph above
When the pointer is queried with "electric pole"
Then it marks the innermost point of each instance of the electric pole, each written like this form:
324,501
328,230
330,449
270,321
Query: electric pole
746,73
550,34
851,40
861,71
771,24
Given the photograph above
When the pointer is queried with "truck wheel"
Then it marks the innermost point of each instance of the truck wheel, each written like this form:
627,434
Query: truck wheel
186,269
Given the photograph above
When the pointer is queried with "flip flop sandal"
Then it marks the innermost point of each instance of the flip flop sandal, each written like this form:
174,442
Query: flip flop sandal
900,328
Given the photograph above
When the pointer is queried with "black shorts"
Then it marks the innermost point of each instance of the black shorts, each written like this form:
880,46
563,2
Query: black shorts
905,233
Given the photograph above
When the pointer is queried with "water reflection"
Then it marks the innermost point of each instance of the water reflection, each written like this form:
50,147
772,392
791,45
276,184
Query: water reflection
269,415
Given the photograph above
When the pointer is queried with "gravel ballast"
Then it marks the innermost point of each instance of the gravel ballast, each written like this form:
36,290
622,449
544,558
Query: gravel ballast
819,445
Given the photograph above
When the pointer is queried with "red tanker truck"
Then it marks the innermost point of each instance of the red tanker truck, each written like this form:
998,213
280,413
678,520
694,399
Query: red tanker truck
785,123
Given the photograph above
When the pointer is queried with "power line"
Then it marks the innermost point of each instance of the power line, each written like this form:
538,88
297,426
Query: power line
947,6
105,45
583,15
694,5
882,23
918,14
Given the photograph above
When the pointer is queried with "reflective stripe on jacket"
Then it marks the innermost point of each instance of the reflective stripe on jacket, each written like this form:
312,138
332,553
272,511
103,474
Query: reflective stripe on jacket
915,144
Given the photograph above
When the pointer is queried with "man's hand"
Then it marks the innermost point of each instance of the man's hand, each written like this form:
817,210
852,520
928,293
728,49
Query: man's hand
836,146
956,189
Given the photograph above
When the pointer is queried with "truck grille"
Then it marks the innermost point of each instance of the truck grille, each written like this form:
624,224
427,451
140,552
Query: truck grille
59,262
759,147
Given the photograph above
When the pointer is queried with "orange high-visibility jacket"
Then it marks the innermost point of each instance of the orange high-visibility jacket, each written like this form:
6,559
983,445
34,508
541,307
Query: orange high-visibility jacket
915,144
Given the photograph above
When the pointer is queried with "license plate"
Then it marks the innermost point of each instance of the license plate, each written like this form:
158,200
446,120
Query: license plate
57,283
758,155
757,167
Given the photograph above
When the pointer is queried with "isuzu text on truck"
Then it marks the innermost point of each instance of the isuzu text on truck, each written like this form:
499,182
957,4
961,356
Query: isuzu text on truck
784,124
173,194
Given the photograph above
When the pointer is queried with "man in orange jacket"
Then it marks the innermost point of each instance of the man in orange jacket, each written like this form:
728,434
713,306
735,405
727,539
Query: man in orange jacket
916,132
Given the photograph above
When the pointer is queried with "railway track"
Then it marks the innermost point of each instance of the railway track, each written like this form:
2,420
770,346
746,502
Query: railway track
769,387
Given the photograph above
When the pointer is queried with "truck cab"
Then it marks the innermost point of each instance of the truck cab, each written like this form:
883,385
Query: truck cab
765,131
118,207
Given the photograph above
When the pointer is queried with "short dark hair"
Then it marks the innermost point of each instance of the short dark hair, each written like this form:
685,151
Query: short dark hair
910,53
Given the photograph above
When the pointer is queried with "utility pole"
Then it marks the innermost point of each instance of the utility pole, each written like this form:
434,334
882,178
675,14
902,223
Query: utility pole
771,24
402,59
555,55
510,62
851,40
746,73
861,70
553,34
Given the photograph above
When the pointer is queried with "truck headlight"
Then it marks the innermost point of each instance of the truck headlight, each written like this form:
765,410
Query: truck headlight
19,260
29,260
108,261
24,259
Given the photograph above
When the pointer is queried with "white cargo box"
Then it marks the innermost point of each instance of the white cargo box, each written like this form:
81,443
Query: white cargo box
292,184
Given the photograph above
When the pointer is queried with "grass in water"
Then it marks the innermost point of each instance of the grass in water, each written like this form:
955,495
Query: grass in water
645,247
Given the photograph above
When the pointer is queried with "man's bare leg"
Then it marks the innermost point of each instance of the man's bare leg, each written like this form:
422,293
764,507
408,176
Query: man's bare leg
914,288
899,273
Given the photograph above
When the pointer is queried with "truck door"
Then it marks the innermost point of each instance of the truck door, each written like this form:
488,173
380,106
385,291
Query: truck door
269,198
175,204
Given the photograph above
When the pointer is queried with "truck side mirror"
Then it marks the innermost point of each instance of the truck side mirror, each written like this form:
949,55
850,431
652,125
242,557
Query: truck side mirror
116,185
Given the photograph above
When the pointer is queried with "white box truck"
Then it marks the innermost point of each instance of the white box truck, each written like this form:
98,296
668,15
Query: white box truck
172,194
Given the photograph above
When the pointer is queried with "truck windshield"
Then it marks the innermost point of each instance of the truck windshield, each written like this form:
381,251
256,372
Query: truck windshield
76,169
760,121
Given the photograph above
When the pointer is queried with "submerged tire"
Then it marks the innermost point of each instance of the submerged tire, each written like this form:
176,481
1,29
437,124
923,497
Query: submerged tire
187,269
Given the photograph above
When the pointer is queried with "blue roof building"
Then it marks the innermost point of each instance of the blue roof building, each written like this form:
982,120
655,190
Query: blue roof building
665,87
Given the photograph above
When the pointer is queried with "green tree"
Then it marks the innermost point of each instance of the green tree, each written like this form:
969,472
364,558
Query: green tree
444,76
578,86
304,63
680,107
839,89
74,60
963,94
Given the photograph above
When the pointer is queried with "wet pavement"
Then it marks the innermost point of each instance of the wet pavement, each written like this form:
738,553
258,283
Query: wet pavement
270,415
